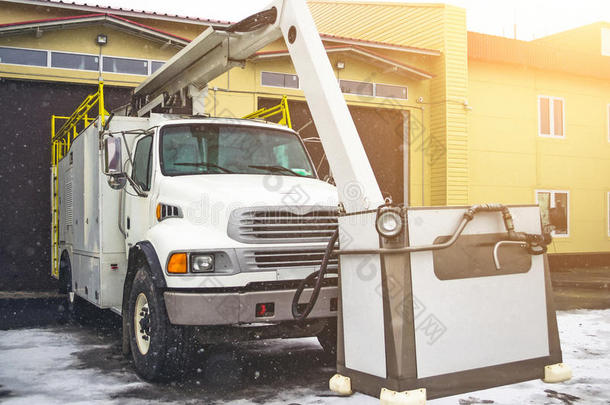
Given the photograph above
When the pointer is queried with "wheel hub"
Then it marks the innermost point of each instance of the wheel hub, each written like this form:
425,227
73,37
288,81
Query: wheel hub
142,323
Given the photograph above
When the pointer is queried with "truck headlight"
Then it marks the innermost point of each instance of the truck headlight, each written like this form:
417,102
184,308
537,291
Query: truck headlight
202,263
389,222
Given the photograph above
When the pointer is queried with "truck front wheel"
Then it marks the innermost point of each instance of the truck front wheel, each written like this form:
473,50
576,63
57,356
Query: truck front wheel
158,348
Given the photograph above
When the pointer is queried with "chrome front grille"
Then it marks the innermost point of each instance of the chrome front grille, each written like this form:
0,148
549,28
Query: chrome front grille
283,224
270,259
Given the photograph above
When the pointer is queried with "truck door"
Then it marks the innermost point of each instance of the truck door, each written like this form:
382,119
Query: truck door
138,212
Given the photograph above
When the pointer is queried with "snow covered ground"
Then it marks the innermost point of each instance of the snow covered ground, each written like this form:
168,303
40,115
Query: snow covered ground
71,365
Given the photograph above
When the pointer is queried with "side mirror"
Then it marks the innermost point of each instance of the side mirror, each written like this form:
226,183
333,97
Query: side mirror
113,162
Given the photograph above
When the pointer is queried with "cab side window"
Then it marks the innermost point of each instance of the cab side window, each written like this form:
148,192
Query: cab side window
142,163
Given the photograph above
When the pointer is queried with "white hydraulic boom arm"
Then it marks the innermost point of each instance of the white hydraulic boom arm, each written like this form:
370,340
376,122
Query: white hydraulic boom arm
214,52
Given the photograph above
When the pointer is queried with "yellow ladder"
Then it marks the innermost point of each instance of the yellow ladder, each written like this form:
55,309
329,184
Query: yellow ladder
61,139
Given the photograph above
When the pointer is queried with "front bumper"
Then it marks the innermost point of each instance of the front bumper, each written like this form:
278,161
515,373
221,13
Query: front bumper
200,309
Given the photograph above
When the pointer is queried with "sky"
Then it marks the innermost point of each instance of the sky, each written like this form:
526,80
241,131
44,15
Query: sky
533,18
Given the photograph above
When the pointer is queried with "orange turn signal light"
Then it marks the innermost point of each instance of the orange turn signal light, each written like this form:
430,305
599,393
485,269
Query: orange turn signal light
177,263
158,212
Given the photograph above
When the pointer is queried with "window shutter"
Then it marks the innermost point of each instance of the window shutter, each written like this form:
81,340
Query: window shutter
558,117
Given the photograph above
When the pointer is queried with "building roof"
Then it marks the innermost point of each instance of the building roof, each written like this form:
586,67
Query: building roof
128,12
118,14
359,53
584,31
87,19
491,48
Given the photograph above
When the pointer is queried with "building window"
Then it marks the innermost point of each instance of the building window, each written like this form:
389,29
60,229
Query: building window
554,211
354,87
28,57
74,61
390,91
273,79
123,65
285,80
154,66
551,116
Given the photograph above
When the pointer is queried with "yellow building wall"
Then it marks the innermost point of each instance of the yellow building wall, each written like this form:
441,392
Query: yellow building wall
422,26
509,160
491,153
448,141
433,26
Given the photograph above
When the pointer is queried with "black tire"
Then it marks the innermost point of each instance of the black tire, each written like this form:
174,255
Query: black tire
165,358
328,338
65,274
78,311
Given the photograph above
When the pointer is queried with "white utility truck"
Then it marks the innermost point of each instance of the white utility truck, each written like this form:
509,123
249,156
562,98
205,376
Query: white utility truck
215,228
210,207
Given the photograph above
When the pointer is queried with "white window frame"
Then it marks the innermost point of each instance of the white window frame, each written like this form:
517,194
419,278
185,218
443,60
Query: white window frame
280,73
356,94
552,117
552,196
374,95
50,56
125,57
150,72
28,49
393,85
100,61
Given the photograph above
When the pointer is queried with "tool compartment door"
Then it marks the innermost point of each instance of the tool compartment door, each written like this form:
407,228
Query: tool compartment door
474,315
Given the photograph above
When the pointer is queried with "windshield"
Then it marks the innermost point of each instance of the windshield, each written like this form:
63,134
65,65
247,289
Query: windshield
218,149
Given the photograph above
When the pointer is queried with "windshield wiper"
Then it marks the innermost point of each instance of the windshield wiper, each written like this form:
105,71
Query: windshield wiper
205,164
276,169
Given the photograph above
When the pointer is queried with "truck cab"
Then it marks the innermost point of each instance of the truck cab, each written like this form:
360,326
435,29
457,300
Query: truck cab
228,215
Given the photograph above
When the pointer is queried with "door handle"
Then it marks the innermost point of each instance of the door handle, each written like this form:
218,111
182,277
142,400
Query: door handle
128,223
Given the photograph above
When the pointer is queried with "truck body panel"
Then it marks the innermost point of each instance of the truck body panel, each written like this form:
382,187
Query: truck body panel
89,217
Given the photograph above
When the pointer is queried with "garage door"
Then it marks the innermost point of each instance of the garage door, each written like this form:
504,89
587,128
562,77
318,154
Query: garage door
382,134
25,131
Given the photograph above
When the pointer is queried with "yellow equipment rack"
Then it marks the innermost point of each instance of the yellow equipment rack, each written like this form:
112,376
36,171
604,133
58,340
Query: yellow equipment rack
61,140
281,108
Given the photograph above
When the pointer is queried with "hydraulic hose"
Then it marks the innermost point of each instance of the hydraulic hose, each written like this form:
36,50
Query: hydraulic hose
535,244
319,276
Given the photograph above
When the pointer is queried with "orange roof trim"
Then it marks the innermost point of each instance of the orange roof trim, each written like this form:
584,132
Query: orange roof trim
490,48
378,44
407,69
